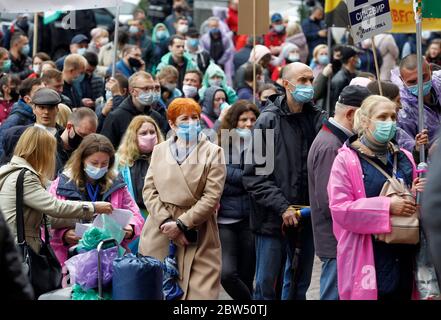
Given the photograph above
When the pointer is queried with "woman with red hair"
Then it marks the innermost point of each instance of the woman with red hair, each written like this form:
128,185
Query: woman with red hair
182,190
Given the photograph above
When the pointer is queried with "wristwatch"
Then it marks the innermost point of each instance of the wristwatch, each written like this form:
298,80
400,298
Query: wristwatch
181,226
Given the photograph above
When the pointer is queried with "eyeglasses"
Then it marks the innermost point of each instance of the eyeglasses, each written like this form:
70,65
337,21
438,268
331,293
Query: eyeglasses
149,88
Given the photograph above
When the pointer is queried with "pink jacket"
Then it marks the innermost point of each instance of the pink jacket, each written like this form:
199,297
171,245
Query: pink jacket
355,219
120,199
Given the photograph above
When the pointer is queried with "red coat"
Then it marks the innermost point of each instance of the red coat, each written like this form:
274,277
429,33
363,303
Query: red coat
274,39
5,108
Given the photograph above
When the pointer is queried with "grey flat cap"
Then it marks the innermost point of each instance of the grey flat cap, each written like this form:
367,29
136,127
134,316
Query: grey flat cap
46,97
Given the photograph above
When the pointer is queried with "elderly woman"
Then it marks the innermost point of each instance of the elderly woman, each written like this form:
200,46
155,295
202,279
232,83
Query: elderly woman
182,189
370,269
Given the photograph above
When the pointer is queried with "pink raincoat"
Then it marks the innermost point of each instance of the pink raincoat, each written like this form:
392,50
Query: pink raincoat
120,199
355,219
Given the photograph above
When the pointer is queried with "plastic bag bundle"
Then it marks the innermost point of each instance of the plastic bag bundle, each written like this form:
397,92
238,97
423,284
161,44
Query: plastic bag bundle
171,288
79,294
137,278
425,276
83,268
91,238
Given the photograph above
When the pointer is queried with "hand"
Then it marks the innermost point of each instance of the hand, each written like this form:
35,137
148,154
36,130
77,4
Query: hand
171,230
323,33
182,240
419,184
88,102
289,217
142,67
113,86
129,231
223,113
103,207
402,207
327,71
71,238
421,138
107,107
275,51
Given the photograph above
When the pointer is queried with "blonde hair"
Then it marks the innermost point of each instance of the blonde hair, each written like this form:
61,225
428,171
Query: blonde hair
74,61
292,29
90,145
140,74
317,49
128,150
364,113
63,114
38,147
167,72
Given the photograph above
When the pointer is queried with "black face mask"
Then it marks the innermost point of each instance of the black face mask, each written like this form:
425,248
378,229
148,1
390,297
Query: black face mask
336,65
14,95
134,63
75,141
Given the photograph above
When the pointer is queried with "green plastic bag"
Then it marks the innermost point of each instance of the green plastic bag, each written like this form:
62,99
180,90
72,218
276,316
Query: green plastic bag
91,294
104,228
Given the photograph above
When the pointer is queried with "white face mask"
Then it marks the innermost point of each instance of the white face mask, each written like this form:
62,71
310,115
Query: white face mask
183,28
36,68
104,41
189,91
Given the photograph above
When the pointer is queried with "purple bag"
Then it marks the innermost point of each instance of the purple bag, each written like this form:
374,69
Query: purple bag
83,268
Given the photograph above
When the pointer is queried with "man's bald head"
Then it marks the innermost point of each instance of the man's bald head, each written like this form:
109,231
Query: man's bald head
291,70
408,70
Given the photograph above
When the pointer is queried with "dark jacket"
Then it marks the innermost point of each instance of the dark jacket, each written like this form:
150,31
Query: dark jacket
310,29
21,67
431,219
272,193
15,284
118,120
208,107
242,56
341,79
21,115
321,156
245,93
72,93
92,87
321,91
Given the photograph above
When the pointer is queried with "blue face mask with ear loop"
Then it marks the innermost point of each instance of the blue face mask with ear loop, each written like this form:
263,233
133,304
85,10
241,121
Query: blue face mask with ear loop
302,93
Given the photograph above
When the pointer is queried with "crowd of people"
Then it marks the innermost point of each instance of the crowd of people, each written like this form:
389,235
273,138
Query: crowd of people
150,139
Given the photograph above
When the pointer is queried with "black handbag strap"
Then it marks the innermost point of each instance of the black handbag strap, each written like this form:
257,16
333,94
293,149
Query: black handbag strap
19,207
21,236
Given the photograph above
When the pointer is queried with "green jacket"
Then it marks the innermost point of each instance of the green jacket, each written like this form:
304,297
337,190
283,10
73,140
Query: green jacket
165,61
212,70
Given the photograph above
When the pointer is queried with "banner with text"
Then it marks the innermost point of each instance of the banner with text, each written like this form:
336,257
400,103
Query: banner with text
32,6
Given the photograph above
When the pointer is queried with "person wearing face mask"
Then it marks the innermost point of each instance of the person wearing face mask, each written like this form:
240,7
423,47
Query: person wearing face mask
130,63
275,38
21,63
78,45
220,47
405,77
314,28
320,59
37,60
160,39
5,62
238,252
181,26
264,93
144,93
182,190
168,78
180,9
99,38
73,74
351,63
88,176
290,53
214,102
138,37
92,86
359,213
199,56
192,84
278,188
247,92
134,155
215,76
9,94
335,131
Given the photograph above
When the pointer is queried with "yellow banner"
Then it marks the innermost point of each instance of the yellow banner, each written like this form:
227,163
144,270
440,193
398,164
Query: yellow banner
403,19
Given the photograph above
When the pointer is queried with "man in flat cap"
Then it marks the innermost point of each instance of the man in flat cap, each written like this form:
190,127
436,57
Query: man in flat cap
335,131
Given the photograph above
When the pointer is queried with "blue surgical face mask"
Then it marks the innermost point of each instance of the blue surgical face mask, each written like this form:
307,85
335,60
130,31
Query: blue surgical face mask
215,82
25,50
81,51
303,93
279,28
133,30
161,35
384,131
215,31
148,98
193,43
94,172
426,88
244,133
323,60
189,132
6,65
108,95
358,64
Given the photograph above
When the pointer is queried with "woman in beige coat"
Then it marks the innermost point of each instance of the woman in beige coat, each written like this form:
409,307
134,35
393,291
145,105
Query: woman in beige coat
182,189
35,151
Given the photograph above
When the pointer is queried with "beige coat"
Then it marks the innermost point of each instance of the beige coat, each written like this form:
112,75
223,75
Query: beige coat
190,191
36,201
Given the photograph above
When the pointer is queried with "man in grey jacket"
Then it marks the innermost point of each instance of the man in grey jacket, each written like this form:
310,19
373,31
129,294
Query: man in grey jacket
324,149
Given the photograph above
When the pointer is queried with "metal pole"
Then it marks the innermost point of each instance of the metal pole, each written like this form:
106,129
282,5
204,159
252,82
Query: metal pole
35,42
115,40
328,91
374,50
419,31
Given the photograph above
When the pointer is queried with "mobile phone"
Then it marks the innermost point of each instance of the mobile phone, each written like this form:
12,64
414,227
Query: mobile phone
192,236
